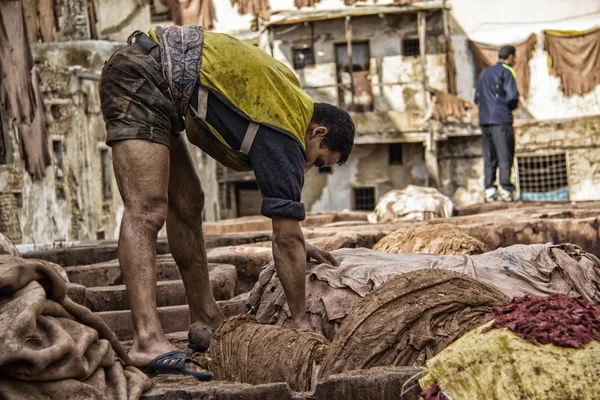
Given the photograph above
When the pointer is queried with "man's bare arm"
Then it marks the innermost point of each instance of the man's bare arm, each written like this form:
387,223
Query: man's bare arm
289,253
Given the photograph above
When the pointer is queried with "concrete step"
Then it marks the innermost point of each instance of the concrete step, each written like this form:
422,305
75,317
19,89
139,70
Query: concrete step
172,319
223,281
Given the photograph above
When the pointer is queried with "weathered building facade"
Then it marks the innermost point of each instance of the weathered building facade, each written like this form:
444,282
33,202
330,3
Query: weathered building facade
381,63
384,63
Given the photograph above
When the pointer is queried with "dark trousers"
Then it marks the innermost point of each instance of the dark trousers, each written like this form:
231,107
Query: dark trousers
498,152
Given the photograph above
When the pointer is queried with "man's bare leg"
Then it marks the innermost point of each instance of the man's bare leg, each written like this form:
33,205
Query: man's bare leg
142,171
186,241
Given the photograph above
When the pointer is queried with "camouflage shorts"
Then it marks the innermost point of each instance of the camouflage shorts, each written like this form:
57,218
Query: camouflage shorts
135,98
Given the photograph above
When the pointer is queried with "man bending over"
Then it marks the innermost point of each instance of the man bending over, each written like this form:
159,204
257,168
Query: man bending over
243,108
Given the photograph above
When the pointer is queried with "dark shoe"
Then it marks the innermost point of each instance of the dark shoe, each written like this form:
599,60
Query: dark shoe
173,362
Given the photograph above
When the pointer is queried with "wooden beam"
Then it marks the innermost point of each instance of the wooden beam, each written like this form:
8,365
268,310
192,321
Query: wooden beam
421,27
348,29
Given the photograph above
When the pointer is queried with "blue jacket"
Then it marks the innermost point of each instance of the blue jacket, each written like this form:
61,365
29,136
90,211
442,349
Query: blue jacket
496,95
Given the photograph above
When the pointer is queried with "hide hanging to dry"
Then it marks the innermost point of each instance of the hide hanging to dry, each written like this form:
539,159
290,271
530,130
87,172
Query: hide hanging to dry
575,58
20,93
451,108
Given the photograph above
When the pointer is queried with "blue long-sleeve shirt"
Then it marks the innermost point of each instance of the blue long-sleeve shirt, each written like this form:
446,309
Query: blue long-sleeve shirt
496,95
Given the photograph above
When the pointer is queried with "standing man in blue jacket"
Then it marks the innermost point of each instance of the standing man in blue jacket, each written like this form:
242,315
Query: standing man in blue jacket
497,96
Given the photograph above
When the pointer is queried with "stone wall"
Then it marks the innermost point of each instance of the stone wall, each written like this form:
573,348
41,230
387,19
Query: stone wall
461,163
579,138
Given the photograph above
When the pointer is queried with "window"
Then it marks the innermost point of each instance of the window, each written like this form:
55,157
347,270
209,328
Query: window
354,82
303,57
19,199
100,234
364,198
106,175
324,170
410,47
55,111
543,177
59,169
395,154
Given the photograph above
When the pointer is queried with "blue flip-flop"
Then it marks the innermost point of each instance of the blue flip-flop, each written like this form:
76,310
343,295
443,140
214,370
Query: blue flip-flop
173,362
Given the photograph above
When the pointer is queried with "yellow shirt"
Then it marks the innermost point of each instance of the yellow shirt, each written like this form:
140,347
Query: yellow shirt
261,87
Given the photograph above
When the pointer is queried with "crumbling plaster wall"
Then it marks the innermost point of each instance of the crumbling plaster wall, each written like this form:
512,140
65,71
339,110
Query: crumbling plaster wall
76,209
400,75
72,208
368,165
547,101
463,61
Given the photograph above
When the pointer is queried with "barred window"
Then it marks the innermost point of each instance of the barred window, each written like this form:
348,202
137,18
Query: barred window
543,177
410,47
364,198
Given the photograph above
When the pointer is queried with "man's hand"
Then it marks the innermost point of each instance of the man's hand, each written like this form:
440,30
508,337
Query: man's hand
321,256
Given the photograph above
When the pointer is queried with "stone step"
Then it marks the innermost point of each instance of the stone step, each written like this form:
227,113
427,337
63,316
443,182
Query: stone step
172,319
248,261
379,383
109,273
186,388
93,252
223,280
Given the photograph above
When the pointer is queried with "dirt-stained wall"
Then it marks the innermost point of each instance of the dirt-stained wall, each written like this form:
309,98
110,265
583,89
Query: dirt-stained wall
396,85
78,199
394,76
368,166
